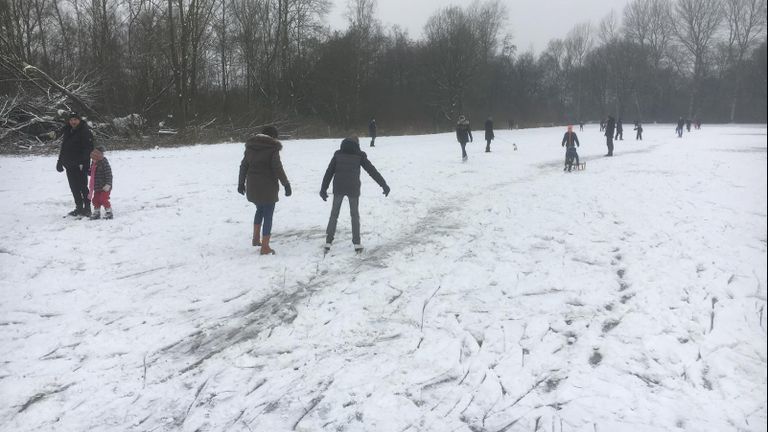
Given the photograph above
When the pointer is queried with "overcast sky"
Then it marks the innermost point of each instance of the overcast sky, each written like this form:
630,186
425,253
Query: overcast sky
532,22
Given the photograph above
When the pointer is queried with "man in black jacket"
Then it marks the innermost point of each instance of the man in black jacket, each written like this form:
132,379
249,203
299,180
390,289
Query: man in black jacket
570,142
610,128
344,169
489,136
463,135
619,130
75,157
372,131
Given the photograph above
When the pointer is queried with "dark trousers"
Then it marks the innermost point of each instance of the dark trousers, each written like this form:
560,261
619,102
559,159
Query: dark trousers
488,145
570,155
619,134
609,143
639,136
263,217
373,139
77,176
463,149
330,232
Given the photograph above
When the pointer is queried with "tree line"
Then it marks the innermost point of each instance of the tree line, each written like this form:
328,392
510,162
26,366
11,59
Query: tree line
249,62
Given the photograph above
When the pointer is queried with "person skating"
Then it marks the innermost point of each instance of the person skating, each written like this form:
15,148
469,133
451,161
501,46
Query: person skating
100,185
610,127
74,156
463,135
570,142
639,129
344,169
581,126
372,131
260,171
602,125
619,130
489,136
680,124
687,125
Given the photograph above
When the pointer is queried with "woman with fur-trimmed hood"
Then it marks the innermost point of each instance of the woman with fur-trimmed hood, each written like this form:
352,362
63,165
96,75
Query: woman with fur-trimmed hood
260,171
463,134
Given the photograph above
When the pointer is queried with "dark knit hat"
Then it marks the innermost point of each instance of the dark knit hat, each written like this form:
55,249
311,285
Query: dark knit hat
100,148
74,114
270,130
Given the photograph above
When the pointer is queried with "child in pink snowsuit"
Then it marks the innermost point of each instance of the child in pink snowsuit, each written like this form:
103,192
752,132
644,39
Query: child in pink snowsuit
100,184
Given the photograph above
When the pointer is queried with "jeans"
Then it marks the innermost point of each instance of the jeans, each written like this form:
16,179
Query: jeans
78,183
330,232
263,217
463,149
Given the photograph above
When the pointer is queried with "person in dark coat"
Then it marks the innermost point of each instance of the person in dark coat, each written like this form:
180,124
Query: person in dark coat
602,125
75,157
463,135
680,124
372,130
344,169
100,185
570,142
610,127
581,126
687,125
260,171
639,129
619,130
489,136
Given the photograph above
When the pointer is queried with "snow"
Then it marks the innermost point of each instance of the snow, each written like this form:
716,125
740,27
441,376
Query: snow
501,294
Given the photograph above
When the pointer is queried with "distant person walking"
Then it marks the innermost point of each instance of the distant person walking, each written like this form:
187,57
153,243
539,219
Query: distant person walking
75,157
602,125
372,131
463,135
639,129
260,171
610,127
620,130
344,169
581,126
687,125
570,142
489,136
680,125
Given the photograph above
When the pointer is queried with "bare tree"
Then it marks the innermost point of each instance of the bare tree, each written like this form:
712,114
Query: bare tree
746,21
696,24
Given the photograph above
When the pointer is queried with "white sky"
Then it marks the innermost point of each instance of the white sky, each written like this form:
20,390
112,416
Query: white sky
532,22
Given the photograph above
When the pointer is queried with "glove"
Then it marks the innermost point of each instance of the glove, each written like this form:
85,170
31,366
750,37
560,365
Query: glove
386,190
107,188
241,189
324,195
288,191
59,166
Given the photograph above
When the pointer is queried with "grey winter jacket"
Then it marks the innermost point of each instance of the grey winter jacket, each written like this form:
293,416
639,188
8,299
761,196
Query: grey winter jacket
344,169
103,175
261,169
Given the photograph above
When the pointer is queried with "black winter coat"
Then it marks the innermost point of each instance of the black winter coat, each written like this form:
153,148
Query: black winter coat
569,139
610,127
463,132
372,129
489,130
344,169
261,169
76,145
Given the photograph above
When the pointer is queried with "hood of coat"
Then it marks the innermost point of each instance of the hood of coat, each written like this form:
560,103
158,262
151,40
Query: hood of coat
262,141
350,146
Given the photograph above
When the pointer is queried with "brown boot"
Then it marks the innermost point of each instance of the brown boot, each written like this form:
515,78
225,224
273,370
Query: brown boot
265,249
256,233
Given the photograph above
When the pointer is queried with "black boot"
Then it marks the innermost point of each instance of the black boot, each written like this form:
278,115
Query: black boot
86,210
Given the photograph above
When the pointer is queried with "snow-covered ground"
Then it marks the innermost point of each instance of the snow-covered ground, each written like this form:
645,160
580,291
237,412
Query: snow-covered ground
501,294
